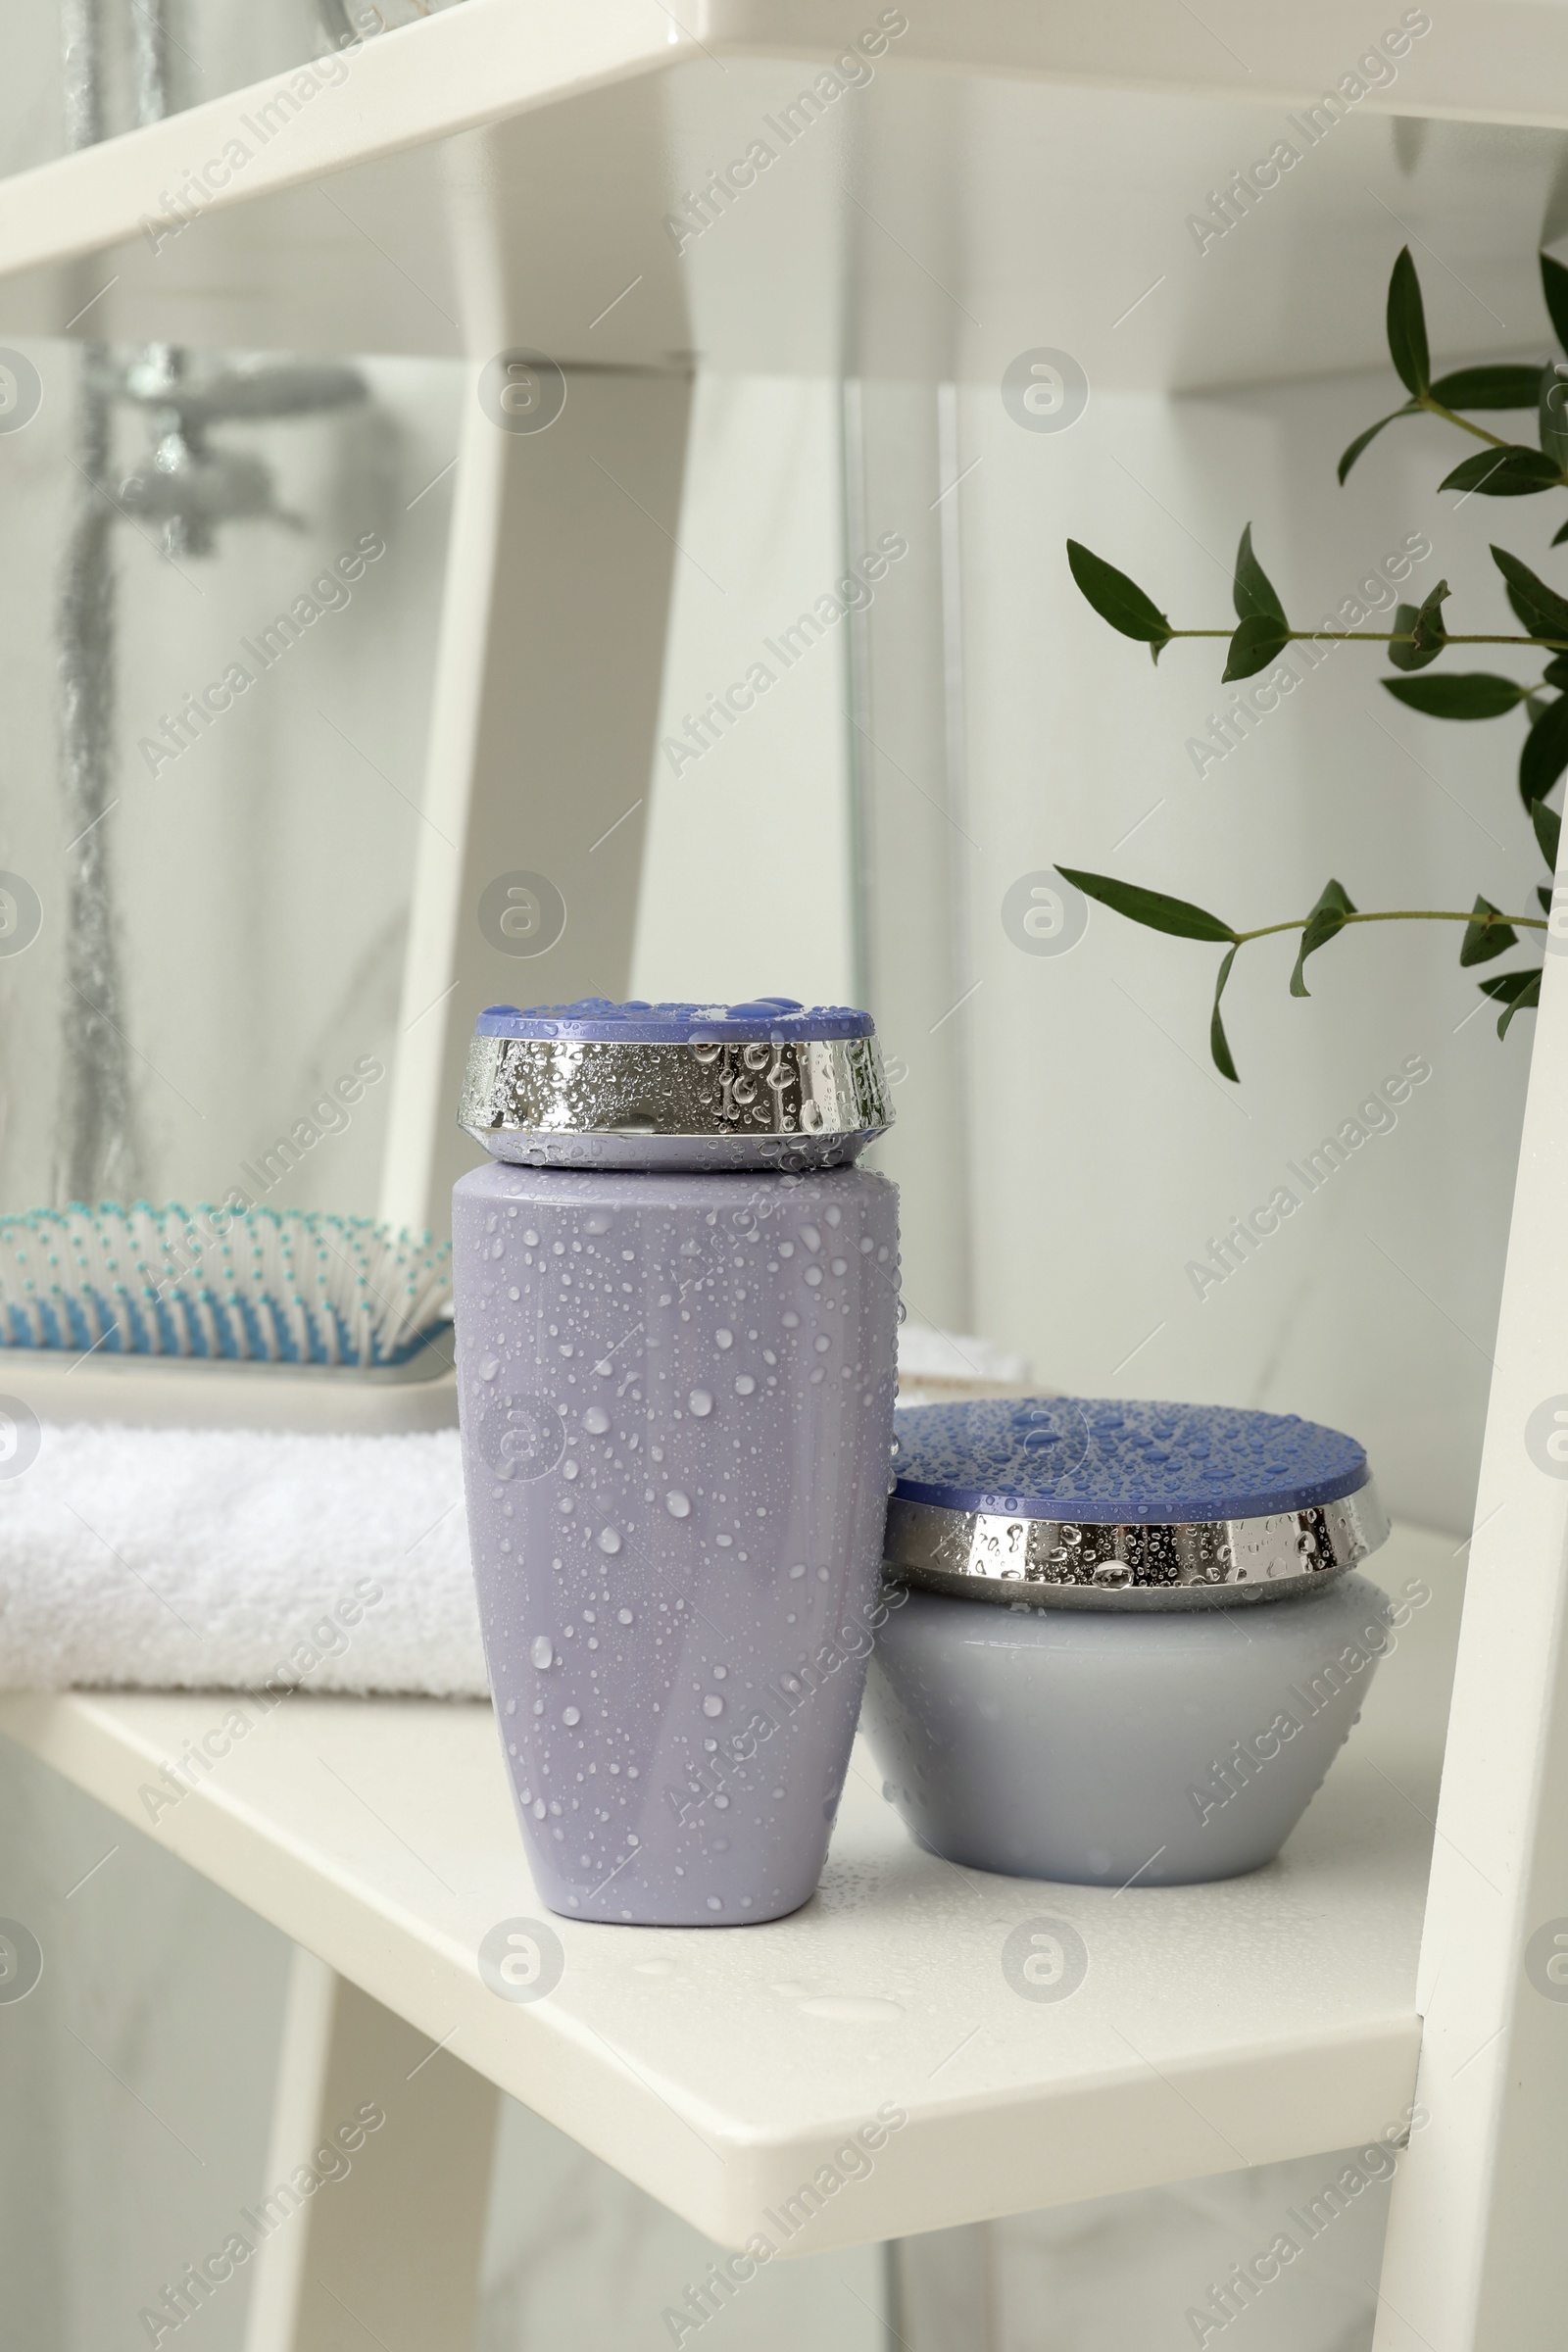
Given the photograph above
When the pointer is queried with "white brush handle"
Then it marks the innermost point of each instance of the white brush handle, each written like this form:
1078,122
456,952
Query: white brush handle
186,1392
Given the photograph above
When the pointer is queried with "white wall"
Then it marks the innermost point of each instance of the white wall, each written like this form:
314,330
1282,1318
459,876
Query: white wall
1108,1151
746,886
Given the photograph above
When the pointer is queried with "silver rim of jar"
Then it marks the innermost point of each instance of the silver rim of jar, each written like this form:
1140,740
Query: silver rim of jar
809,1090
1088,1564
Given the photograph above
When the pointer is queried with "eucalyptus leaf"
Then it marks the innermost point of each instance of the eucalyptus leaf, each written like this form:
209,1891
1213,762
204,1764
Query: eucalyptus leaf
1411,408
1485,934
1546,752
1504,987
1554,286
1179,916
1218,1043
1555,672
1559,535
1513,473
1408,326
1548,831
1416,622
1430,635
1541,608
1257,641
1552,413
1254,591
1488,388
1325,921
1118,599
1543,894
1518,990
1467,694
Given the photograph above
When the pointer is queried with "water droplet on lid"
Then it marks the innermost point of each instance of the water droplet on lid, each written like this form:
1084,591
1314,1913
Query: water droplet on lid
596,1224
623,1616
700,1402
490,1367
743,1385
714,1903
723,1339
571,1715
677,1504
811,1237
532,1238
543,1651
609,1539
596,1420
713,1705
800,1570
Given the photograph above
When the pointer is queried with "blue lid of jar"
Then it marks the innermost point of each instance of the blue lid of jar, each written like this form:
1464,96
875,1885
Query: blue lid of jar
767,1021
1103,1460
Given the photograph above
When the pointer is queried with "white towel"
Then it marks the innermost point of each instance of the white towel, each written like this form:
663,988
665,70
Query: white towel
228,1559
243,1559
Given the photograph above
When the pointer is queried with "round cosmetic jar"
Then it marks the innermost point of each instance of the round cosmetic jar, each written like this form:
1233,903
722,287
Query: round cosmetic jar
1123,1642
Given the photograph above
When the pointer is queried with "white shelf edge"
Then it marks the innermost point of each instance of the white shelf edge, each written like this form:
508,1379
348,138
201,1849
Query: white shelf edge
1500,62
645,2079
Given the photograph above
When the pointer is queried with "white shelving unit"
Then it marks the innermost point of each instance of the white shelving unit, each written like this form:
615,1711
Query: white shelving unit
1218,2026
501,175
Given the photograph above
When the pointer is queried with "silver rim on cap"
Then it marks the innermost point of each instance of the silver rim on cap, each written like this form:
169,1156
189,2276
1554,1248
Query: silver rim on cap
740,1084
1088,1564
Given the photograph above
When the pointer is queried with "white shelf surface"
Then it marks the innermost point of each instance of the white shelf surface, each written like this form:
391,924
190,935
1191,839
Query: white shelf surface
1218,2026
1009,175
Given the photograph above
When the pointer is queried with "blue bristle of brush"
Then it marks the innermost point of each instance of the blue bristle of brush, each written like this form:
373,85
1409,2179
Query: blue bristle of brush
239,1286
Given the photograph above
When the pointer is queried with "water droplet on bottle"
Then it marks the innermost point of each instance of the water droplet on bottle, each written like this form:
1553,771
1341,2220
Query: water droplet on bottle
714,1903
571,1716
596,1224
543,1652
723,1339
814,1275
713,1705
745,1385
700,1402
811,1237
677,1504
596,1420
609,1539
489,1368
623,1616
532,1238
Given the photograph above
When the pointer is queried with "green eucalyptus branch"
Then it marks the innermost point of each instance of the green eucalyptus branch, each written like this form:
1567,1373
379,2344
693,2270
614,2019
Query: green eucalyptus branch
1418,638
1489,932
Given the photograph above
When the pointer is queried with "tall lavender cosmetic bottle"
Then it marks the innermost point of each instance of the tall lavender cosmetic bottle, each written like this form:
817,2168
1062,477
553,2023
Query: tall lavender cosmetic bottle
676,1309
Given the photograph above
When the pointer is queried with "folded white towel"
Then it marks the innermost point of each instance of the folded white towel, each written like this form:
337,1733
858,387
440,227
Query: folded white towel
241,1559
227,1560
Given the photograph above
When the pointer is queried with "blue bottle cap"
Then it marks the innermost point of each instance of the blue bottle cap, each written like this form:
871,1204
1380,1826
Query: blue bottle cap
1105,1461
758,1020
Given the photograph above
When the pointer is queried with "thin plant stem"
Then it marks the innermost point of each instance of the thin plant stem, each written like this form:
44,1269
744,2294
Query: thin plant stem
1400,914
1556,645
